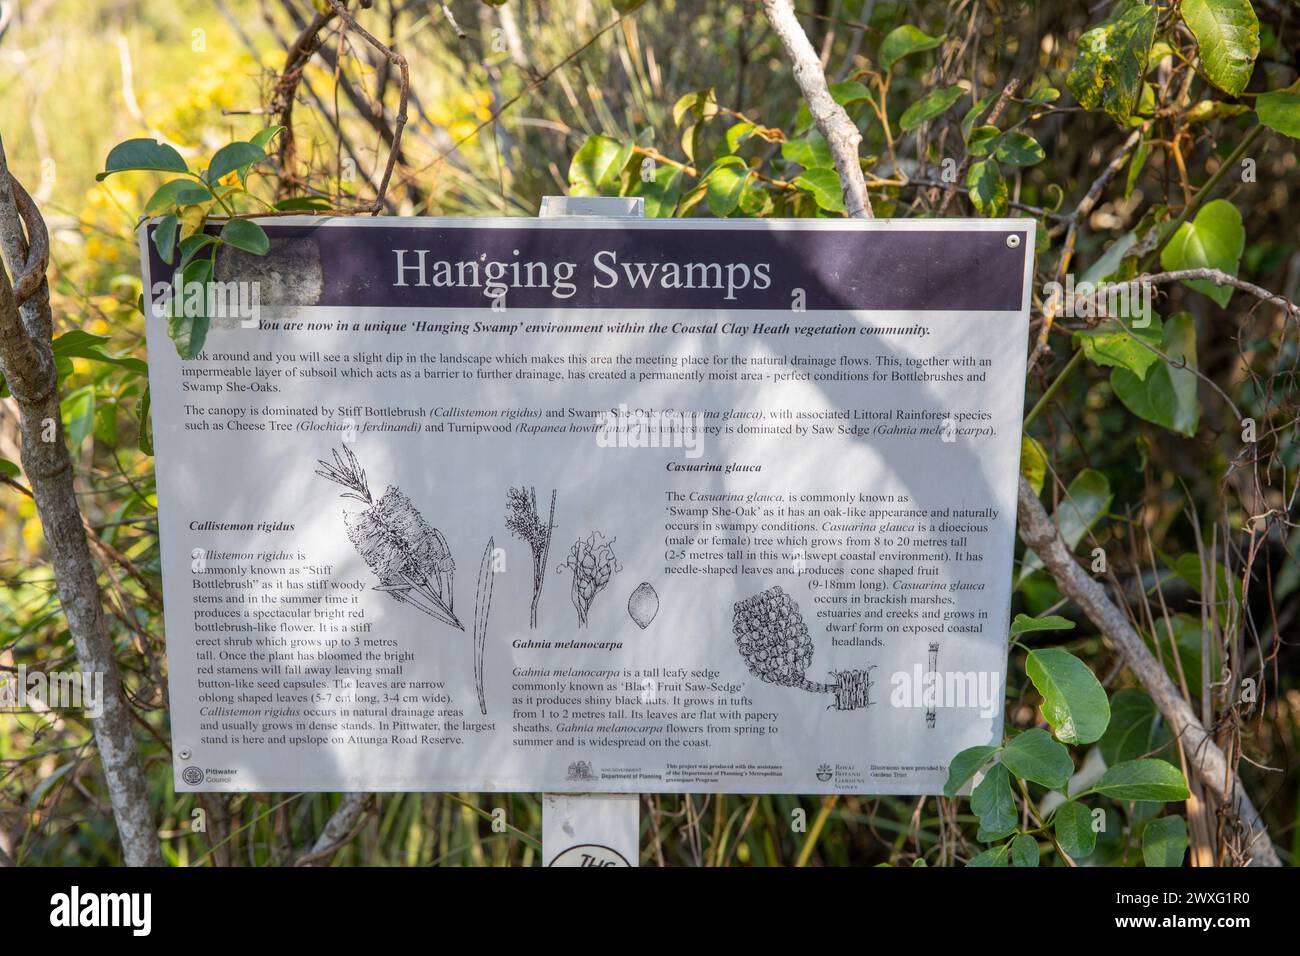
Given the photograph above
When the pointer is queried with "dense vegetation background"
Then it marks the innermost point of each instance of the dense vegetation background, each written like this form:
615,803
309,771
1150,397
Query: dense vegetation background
1136,135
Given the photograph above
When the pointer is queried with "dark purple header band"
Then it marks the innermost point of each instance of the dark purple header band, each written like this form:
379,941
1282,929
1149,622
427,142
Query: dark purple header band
654,264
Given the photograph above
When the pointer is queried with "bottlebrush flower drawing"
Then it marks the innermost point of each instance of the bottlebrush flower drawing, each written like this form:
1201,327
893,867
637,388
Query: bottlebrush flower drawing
410,558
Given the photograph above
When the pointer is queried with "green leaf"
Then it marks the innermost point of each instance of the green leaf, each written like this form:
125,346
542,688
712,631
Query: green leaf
1073,828
1024,850
192,245
850,92
175,193
1034,755
737,133
188,332
1136,727
824,184
164,236
700,105
1043,95
975,112
1129,343
1019,149
1188,638
1167,396
79,344
725,180
662,192
1023,624
142,154
904,41
597,165
988,190
231,157
1154,780
8,468
295,203
1074,702
1227,32
1084,504
1135,166
1280,110
965,765
983,140
935,103
1112,60
992,802
1033,464
79,415
993,856
262,138
247,235
809,151
1213,240
1164,841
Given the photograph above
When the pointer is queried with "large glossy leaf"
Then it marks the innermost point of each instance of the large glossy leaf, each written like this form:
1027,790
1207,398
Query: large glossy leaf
988,190
1280,110
1164,841
933,104
596,166
231,157
1153,780
1084,504
142,154
726,180
1073,828
1215,239
904,41
824,184
965,765
809,151
1074,702
1111,61
1034,755
1024,850
1227,32
247,235
1024,624
660,193
1136,727
992,802
1167,396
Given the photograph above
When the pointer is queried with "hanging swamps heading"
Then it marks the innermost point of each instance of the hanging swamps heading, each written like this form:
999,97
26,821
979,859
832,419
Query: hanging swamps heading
497,277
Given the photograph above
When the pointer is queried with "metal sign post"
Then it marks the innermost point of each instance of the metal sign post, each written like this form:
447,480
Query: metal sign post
591,829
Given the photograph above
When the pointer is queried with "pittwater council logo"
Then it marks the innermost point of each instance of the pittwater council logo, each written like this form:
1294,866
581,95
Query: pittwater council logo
192,775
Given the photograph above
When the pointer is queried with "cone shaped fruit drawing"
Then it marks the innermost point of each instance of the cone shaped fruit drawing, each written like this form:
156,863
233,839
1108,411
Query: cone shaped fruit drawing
775,645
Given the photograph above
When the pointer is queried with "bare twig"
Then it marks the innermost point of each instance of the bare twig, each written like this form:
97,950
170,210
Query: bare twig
342,827
832,120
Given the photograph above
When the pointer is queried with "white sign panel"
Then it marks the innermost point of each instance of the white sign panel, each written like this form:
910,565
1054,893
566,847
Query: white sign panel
591,505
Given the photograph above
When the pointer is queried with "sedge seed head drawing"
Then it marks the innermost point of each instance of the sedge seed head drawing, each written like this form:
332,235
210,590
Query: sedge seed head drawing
592,563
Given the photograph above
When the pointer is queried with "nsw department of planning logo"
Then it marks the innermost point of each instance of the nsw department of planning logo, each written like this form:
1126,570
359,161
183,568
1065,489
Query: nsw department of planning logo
581,770
825,772
192,775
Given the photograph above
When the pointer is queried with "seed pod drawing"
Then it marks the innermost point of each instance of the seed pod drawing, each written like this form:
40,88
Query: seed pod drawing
411,558
774,643
643,605
592,561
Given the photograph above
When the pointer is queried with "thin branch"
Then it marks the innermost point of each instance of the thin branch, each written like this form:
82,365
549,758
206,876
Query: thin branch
832,119
1203,753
